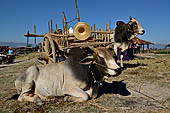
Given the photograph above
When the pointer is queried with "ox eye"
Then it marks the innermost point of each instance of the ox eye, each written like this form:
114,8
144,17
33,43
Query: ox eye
135,23
101,58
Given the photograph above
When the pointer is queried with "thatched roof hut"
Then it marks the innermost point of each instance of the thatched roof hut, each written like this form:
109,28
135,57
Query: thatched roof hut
142,42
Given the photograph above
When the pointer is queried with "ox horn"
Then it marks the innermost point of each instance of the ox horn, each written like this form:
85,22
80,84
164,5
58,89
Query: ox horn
82,31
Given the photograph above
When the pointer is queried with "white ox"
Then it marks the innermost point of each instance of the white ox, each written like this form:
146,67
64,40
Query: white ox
70,79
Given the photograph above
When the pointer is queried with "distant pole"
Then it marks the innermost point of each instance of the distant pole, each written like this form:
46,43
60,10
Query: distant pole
27,39
35,33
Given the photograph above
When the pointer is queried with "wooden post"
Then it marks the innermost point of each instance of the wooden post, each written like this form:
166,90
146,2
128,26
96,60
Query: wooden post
56,27
94,31
27,39
65,27
97,34
94,28
77,11
106,38
49,26
35,33
109,27
109,31
102,35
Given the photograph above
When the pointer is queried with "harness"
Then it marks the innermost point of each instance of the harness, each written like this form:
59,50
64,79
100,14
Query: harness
101,65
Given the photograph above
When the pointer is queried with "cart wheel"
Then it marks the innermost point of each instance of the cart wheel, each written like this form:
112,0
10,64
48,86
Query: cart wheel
48,49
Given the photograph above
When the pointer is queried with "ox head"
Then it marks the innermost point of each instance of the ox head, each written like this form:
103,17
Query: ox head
104,60
135,26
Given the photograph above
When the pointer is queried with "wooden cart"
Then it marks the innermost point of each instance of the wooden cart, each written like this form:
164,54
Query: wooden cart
57,43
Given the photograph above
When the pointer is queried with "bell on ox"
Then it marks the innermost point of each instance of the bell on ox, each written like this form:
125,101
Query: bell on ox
81,31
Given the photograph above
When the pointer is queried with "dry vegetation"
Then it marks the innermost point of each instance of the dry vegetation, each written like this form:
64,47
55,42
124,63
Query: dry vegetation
143,87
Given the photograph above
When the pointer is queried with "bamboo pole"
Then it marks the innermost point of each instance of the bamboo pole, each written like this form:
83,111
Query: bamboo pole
102,34
56,27
106,38
109,31
51,26
77,11
109,27
65,23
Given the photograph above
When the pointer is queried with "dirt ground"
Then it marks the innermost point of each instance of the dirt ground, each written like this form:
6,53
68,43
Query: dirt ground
142,87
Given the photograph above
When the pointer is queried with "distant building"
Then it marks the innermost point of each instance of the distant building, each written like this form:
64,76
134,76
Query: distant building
142,43
167,46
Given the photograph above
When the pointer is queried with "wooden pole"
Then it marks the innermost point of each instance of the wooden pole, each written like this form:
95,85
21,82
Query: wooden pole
27,39
35,33
49,26
94,28
77,11
109,31
106,38
65,27
56,27
109,27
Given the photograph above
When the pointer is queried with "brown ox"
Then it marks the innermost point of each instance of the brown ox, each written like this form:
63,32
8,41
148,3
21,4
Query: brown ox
123,34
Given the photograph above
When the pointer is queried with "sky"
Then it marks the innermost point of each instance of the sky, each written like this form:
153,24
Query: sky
19,16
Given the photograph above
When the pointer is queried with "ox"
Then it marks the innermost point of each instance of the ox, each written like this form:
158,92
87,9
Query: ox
123,34
72,78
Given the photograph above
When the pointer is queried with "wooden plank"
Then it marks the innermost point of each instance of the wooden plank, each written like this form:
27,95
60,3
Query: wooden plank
87,44
33,35
102,32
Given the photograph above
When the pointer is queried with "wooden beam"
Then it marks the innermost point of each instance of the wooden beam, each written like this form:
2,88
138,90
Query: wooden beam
33,35
102,32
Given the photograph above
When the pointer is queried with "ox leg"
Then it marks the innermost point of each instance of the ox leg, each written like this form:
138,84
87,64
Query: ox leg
121,59
26,97
77,95
116,53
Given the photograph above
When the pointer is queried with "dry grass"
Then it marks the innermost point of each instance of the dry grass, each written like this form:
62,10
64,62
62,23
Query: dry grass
143,87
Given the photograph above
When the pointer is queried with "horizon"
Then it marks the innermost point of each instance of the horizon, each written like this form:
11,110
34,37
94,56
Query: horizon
18,17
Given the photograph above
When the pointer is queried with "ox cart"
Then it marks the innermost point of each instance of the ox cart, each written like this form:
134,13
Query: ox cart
57,43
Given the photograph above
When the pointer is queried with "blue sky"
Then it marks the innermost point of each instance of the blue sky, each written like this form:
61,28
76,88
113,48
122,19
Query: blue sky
19,16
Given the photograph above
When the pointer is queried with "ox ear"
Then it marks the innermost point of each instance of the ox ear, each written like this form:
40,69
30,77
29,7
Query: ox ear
87,60
119,23
130,18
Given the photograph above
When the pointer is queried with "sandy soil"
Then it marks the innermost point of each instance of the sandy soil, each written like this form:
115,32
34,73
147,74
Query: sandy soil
142,87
